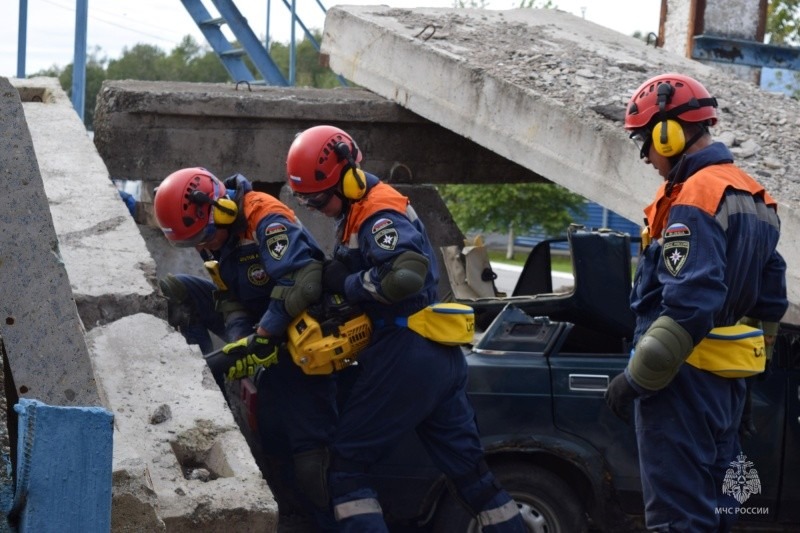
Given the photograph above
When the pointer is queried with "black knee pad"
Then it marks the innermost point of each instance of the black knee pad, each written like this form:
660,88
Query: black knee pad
311,475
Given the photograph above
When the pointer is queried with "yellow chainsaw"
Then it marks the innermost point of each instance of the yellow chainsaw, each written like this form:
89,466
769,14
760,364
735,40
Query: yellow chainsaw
327,337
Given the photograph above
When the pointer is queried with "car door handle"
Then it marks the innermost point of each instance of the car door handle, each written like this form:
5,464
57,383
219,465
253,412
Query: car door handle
588,382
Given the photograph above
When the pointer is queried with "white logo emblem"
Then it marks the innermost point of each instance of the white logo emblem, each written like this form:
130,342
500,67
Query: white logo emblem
741,481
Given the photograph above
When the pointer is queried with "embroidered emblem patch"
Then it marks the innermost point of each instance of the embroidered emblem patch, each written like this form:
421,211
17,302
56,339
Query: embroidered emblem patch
675,254
277,245
256,275
677,230
381,224
387,238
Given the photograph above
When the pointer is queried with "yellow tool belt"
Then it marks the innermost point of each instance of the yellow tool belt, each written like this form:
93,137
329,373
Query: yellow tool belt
446,323
731,352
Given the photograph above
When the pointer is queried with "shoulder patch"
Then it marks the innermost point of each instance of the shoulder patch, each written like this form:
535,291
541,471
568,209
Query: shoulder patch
677,229
277,245
675,254
387,238
275,227
381,224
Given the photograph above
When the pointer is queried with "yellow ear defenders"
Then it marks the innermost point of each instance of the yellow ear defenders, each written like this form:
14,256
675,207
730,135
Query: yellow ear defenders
225,209
354,181
668,137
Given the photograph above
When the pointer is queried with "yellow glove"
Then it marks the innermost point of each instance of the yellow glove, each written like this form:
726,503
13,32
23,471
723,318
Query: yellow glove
250,353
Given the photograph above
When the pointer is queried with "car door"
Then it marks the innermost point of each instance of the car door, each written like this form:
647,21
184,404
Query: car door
580,377
788,353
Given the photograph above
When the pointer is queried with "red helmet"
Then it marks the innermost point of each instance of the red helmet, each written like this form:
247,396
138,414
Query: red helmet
317,158
670,96
183,206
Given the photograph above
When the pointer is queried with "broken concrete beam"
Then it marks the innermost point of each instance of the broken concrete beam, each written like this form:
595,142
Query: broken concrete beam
181,458
110,271
39,322
147,130
548,90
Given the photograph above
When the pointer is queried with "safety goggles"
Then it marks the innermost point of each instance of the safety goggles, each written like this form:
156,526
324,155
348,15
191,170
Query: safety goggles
316,200
642,139
202,237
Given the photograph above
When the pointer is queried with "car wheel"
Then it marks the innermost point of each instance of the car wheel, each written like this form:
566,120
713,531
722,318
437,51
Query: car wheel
545,501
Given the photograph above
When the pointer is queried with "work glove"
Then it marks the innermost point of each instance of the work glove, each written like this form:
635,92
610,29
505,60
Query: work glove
180,309
334,274
619,397
250,352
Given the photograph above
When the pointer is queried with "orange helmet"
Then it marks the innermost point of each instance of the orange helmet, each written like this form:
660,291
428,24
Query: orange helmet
318,158
183,206
670,96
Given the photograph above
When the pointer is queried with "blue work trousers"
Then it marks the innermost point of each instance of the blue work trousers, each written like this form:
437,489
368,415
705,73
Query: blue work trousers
207,318
409,383
687,436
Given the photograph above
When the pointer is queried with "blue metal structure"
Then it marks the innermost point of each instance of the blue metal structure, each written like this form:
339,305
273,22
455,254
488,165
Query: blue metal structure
79,64
596,216
742,52
232,57
22,38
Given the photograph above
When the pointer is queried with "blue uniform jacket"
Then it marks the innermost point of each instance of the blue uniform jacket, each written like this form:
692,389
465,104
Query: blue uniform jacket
261,254
378,241
721,267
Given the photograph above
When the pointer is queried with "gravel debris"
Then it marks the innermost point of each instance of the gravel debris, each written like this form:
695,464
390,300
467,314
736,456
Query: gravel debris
595,78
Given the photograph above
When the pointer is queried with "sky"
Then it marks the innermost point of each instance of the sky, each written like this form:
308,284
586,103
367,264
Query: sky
114,25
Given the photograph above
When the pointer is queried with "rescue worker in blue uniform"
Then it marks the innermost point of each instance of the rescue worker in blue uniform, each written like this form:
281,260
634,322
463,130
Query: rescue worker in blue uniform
708,295
383,262
270,270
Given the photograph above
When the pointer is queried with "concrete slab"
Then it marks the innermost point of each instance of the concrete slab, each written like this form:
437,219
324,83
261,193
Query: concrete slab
110,270
547,90
146,130
40,326
175,434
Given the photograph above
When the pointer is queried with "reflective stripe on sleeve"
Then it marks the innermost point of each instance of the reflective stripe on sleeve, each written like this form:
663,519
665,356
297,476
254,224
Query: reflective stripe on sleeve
358,507
498,515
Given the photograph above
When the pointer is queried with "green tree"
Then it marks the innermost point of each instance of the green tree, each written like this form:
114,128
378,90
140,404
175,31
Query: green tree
783,29
512,208
142,62
308,70
95,74
191,62
782,25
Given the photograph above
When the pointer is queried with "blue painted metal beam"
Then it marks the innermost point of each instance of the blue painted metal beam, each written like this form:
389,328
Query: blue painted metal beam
248,40
79,63
22,38
742,52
